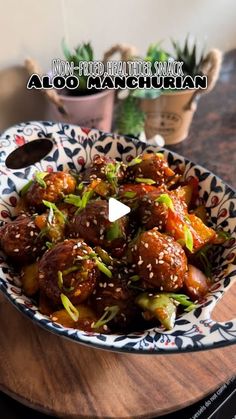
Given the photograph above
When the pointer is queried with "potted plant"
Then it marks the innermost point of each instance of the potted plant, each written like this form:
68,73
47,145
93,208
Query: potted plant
169,112
87,108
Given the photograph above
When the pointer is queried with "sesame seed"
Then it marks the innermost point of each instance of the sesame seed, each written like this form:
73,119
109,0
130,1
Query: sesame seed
151,275
146,245
100,284
161,261
31,233
17,236
118,289
111,285
16,250
87,223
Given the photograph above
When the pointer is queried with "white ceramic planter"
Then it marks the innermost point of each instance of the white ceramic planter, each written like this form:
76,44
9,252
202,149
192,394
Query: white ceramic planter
169,115
92,111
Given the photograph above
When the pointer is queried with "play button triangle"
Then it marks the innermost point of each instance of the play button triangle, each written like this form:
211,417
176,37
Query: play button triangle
116,209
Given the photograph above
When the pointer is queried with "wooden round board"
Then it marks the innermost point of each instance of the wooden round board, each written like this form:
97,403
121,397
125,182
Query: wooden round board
66,379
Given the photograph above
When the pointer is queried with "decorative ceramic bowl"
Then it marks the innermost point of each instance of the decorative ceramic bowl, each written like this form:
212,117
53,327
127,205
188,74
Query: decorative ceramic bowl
75,147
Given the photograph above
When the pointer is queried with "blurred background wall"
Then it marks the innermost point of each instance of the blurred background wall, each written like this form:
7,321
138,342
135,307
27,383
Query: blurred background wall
35,28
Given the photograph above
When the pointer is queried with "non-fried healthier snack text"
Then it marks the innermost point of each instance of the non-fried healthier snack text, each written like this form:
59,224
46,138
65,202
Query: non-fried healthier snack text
88,273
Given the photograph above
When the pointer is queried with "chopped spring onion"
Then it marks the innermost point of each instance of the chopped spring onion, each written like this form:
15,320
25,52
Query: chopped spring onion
69,270
80,186
134,287
60,279
26,187
130,194
223,234
39,176
86,197
103,268
188,238
53,208
135,161
44,231
165,199
114,232
134,278
184,300
48,244
77,201
145,180
108,315
106,258
73,199
111,171
201,255
71,310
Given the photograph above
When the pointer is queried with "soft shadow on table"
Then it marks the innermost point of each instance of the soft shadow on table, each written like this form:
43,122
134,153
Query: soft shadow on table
11,409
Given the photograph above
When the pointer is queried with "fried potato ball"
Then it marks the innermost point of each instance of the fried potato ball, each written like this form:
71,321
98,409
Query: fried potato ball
67,268
57,184
21,241
161,261
150,166
93,226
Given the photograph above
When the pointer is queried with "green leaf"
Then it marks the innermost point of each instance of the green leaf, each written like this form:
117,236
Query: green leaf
188,238
70,308
65,50
26,187
145,180
39,176
109,314
130,117
165,199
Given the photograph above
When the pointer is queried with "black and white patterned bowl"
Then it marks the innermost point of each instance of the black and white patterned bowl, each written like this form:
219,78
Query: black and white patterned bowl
74,147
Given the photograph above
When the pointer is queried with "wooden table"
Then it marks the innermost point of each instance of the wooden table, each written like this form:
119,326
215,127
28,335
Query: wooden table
66,379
